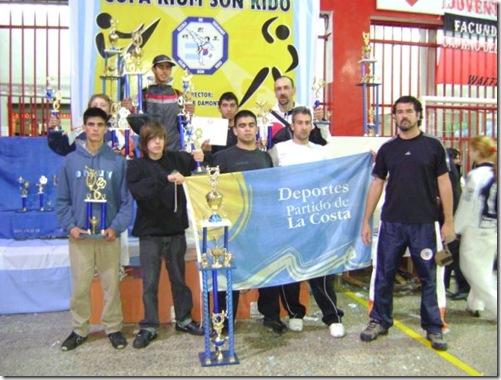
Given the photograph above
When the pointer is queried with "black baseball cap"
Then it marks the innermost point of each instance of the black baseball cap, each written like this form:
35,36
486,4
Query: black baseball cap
162,58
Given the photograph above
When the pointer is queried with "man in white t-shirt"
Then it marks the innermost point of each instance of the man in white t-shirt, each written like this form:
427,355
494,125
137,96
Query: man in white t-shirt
280,114
299,150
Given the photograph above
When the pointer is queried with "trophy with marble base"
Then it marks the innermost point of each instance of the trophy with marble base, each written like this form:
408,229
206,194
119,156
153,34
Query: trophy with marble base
96,199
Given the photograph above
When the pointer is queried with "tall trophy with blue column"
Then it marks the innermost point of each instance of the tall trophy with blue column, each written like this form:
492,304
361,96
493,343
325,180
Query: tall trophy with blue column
95,181
214,262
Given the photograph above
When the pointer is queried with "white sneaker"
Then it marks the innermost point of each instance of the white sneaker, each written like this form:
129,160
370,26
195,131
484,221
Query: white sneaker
296,324
337,330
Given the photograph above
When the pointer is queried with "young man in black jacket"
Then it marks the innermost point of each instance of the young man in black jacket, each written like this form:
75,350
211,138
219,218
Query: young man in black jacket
155,183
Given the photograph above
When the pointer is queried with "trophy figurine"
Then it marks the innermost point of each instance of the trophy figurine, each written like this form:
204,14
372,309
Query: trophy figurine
55,98
366,49
216,254
95,184
317,87
134,68
24,192
40,184
184,116
264,132
214,197
218,324
113,36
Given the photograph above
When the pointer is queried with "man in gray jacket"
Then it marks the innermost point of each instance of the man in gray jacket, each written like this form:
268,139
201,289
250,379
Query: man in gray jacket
94,171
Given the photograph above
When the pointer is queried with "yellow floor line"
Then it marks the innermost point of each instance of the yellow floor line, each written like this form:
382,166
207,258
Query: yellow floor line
450,358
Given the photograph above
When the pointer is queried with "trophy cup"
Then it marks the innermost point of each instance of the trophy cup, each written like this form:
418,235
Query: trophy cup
214,197
95,184
263,139
366,49
24,185
134,70
55,98
40,184
317,87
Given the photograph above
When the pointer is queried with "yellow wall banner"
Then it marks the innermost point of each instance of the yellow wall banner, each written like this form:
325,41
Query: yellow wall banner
227,45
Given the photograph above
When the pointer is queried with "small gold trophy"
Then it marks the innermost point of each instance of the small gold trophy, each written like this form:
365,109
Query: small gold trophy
55,98
214,197
24,185
40,184
95,183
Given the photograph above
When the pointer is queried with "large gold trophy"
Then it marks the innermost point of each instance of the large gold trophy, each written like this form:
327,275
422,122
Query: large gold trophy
214,197
264,137
96,184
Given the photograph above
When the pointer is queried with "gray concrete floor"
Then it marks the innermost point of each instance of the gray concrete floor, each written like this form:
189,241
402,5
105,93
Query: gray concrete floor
30,346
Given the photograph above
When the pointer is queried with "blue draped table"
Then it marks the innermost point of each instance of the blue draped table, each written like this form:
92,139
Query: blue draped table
29,225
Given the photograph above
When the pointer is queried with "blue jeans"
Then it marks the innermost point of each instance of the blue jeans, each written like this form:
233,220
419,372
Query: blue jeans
394,238
151,251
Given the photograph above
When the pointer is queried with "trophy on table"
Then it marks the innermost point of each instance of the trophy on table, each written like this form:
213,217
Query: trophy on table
24,185
40,184
96,183
317,87
263,139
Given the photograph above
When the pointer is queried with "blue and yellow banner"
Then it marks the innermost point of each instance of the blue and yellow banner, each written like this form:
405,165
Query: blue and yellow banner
227,45
289,223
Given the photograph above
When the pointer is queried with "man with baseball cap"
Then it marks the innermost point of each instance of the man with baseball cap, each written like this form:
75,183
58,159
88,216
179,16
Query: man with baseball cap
160,100
162,58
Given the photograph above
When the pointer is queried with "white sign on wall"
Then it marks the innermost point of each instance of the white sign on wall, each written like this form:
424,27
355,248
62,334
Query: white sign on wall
434,7
473,8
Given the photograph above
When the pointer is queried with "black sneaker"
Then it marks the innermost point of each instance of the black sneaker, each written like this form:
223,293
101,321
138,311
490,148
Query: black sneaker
117,340
73,341
437,341
372,331
459,296
193,328
143,338
276,326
